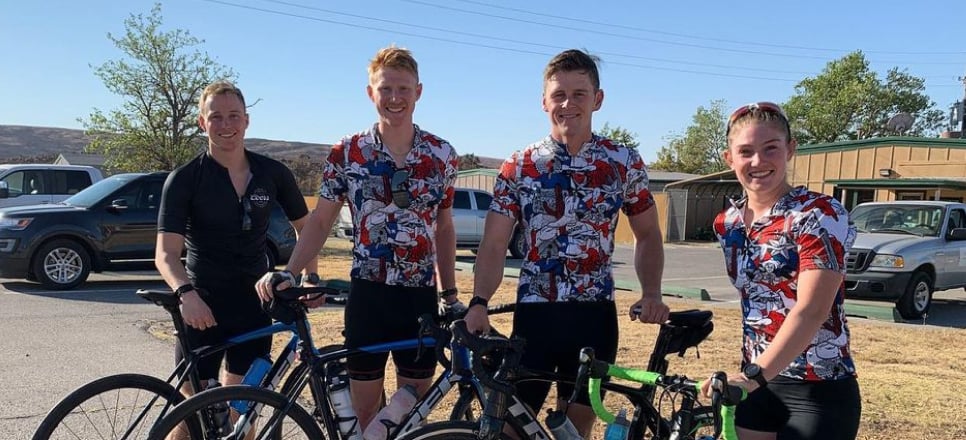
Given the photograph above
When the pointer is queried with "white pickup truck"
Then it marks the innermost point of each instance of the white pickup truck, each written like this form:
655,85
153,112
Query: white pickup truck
906,250
36,184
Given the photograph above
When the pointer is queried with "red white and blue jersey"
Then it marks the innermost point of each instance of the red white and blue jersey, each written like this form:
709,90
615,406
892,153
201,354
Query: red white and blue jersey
804,231
392,245
567,206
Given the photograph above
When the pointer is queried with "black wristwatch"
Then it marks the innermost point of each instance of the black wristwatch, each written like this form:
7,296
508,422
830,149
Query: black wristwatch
478,301
449,292
753,371
183,290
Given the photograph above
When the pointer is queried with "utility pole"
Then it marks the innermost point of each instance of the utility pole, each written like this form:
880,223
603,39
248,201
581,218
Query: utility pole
962,116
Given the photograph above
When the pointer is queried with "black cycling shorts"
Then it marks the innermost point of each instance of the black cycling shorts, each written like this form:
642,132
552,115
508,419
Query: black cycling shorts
800,410
378,313
555,333
237,310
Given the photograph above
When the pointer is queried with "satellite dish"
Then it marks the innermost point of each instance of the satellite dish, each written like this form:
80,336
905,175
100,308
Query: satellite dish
900,123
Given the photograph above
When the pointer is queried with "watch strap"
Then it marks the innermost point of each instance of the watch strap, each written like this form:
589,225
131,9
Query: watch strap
448,292
183,289
478,301
755,373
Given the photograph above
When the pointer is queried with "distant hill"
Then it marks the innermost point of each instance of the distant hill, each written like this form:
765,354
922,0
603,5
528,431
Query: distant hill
18,140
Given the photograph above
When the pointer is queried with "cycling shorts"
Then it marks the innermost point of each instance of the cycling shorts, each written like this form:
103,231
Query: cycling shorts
237,310
800,410
378,313
555,333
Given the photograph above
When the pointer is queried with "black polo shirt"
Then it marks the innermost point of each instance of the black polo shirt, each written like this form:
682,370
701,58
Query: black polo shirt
200,203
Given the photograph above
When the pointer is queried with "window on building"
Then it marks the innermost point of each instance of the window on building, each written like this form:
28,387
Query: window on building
910,195
851,197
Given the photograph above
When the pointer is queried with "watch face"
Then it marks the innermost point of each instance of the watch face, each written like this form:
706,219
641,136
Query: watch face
752,370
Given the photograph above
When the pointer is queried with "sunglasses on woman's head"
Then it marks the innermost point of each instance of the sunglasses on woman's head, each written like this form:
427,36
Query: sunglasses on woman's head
400,193
764,106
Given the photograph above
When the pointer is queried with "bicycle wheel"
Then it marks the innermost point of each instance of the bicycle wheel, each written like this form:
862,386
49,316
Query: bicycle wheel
278,418
124,406
452,430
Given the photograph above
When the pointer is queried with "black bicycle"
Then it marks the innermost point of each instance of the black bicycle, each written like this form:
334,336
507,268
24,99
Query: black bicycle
128,406
503,409
272,415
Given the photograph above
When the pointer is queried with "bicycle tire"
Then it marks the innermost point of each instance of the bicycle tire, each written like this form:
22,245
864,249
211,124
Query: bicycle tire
273,404
79,415
451,430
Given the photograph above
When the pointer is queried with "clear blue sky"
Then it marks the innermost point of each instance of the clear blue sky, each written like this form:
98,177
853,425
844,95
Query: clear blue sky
480,62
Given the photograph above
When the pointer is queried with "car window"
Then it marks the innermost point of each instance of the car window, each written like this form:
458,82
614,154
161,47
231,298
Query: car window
69,181
150,195
483,201
461,200
15,183
957,219
129,194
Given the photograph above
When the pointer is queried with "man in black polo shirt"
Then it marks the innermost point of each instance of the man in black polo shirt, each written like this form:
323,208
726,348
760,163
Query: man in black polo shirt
218,206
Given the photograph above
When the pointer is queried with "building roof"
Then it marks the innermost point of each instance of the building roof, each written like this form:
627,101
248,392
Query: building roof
95,160
882,141
914,182
668,176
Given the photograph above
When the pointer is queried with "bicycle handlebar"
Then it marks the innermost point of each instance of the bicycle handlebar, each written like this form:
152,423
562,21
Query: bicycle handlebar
724,397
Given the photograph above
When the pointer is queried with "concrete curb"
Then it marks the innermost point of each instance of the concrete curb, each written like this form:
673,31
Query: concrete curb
680,292
884,312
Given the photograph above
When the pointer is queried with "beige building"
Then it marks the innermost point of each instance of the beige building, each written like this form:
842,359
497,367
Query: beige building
882,169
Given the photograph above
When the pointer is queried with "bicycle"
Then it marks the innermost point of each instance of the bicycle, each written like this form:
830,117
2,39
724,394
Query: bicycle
504,409
127,406
283,415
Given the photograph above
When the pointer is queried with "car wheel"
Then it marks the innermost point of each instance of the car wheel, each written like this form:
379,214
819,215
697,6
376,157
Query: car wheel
62,264
518,245
915,301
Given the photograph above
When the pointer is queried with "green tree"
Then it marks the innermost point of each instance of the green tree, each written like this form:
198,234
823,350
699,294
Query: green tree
469,161
619,135
308,174
161,80
849,101
699,150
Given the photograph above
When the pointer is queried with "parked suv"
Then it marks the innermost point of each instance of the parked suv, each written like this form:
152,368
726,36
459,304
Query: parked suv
469,212
905,251
105,227
32,184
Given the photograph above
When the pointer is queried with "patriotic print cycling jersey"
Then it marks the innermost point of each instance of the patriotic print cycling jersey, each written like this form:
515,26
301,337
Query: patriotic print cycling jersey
567,206
804,231
392,245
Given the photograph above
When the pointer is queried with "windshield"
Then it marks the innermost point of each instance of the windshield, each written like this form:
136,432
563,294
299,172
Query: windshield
98,191
898,219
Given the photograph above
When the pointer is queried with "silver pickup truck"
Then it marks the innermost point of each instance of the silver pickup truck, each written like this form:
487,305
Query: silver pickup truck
906,250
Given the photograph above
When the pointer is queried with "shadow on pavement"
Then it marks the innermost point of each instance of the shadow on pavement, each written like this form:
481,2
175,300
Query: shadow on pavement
118,292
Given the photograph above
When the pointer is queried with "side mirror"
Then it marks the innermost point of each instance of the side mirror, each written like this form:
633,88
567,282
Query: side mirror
4,190
119,205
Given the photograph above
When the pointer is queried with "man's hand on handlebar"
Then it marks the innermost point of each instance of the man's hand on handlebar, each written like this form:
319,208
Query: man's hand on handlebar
272,281
477,320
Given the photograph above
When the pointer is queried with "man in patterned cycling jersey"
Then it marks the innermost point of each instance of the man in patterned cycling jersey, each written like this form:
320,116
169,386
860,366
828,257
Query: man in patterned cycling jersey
398,181
565,191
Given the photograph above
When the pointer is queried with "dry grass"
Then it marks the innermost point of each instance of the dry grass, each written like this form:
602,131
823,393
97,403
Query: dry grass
909,377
